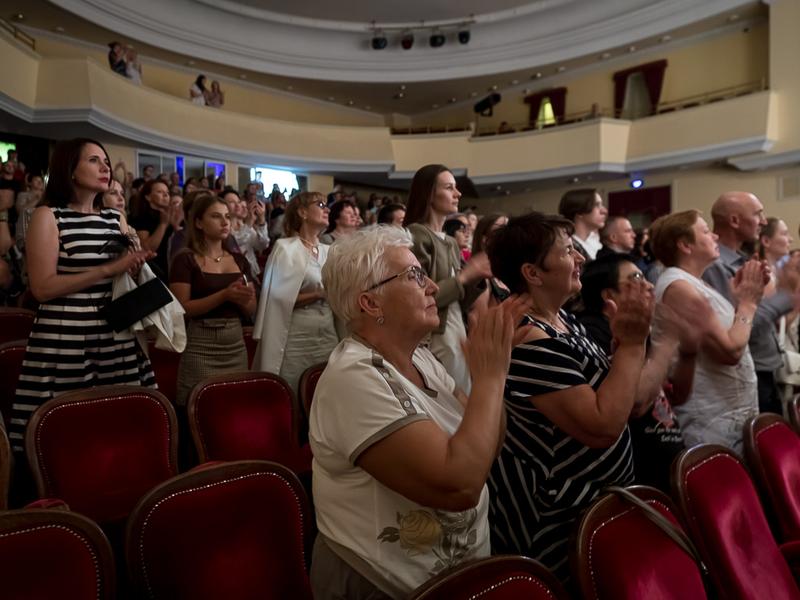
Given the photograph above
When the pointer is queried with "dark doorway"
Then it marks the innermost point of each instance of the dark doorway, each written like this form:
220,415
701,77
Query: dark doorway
641,207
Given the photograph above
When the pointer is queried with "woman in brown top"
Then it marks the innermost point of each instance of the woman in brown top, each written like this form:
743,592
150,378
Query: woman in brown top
215,289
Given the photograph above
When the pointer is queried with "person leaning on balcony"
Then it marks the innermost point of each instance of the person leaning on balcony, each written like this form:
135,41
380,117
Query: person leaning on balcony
198,91
215,96
401,454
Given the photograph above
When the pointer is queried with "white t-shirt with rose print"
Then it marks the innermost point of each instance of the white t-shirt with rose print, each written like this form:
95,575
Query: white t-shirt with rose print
360,399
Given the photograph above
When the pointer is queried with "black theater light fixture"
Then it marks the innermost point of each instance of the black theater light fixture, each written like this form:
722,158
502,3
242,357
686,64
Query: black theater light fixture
379,41
407,41
485,107
463,36
437,39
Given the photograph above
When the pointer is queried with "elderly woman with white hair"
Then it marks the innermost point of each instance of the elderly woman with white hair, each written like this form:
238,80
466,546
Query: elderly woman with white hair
401,455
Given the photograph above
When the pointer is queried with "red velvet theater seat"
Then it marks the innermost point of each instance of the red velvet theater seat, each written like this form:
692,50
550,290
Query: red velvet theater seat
772,451
11,355
246,416
621,555
53,554
308,383
165,368
5,469
793,412
725,519
15,323
494,578
235,530
99,450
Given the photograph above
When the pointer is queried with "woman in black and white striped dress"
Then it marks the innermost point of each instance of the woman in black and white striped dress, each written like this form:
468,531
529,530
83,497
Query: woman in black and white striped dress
567,407
71,263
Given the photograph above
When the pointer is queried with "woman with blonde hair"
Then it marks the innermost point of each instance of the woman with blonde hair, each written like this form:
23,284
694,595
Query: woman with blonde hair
294,324
401,453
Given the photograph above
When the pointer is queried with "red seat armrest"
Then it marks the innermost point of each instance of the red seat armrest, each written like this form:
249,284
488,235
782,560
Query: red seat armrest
51,503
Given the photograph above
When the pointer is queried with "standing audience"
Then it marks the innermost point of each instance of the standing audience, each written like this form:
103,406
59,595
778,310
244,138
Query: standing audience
738,219
585,209
433,197
155,217
401,454
567,406
342,221
71,264
294,324
216,290
725,390
197,93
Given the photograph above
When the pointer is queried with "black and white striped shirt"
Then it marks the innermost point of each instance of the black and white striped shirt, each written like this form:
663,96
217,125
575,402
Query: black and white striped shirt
543,478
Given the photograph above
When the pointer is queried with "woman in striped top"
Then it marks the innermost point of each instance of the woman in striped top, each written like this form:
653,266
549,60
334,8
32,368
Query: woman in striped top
567,406
71,264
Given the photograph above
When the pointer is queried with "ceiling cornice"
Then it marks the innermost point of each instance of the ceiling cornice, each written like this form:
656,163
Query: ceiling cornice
566,30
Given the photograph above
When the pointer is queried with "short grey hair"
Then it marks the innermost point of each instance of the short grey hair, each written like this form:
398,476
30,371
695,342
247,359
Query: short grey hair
357,262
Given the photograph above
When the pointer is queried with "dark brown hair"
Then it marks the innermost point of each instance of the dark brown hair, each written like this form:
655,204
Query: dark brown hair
482,230
60,189
336,211
420,195
577,202
200,203
524,239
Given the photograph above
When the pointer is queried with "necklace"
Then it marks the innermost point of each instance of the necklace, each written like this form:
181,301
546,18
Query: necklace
312,247
558,325
216,259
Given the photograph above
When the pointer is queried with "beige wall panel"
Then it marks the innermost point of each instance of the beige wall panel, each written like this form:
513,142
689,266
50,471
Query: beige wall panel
413,151
20,70
238,98
785,69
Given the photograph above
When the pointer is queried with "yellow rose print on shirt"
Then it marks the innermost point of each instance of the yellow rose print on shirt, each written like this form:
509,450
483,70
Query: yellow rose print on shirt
448,536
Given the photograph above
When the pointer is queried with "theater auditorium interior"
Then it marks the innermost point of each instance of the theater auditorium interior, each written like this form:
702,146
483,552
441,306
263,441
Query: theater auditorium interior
430,300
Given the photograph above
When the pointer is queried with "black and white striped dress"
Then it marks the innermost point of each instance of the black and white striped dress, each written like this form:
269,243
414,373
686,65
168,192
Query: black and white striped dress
70,346
543,478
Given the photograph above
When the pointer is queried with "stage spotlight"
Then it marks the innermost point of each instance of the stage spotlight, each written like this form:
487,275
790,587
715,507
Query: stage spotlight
637,183
407,40
437,39
379,41
485,107
463,36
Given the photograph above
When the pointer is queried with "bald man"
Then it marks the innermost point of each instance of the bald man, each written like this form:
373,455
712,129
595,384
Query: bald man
618,237
738,218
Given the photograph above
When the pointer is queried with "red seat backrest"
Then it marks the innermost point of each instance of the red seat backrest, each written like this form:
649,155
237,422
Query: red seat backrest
621,555
54,554
11,356
772,450
165,369
494,578
725,519
15,323
308,383
235,530
5,469
101,449
244,416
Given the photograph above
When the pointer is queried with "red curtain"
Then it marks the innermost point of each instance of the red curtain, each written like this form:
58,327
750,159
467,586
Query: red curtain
558,99
653,74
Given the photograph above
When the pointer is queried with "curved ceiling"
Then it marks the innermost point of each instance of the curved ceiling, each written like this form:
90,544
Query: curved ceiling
360,11
318,39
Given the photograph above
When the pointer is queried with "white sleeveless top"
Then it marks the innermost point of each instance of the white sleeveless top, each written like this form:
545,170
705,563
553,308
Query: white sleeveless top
723,396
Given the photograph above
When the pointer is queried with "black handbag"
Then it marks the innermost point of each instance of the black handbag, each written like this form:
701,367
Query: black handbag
136,304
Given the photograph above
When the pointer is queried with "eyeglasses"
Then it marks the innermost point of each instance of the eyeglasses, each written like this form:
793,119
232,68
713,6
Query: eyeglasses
636,276
319,204
419,277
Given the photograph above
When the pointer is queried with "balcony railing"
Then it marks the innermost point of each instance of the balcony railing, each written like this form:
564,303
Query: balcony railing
18,34
596,112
